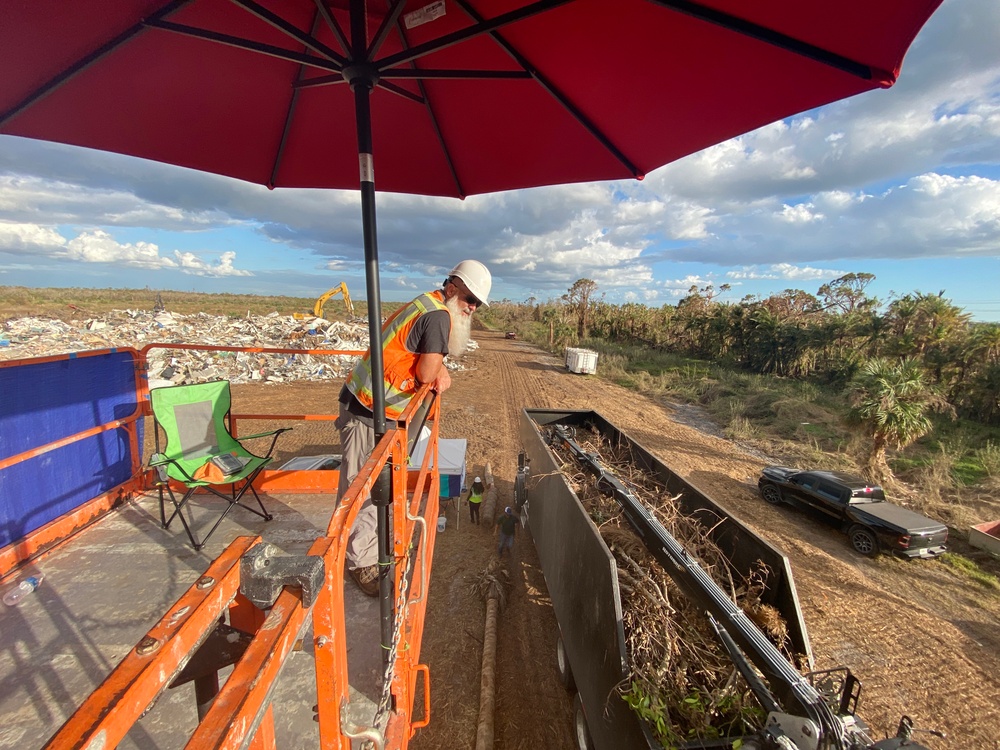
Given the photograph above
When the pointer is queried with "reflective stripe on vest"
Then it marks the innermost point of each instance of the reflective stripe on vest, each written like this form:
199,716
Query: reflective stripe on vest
399,363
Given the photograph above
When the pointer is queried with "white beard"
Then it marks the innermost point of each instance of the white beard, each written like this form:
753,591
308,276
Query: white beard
461,329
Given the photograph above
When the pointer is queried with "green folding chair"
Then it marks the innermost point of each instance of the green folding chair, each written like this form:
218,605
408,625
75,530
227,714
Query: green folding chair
194,420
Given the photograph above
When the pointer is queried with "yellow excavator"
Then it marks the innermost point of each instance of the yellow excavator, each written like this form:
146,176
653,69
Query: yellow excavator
318,308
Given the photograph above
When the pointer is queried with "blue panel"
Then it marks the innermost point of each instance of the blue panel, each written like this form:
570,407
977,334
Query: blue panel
45,402
451,485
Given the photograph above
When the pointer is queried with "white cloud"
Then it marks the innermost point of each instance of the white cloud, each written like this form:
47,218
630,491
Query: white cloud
196,266
800,214
29,239
785,271
98,246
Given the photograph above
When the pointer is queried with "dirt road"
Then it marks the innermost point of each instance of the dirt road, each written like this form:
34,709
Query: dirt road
923,641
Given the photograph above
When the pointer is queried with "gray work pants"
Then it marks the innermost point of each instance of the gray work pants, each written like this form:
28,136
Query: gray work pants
357,441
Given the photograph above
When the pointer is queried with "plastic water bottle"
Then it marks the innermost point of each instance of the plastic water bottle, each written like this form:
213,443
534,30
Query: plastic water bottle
13,597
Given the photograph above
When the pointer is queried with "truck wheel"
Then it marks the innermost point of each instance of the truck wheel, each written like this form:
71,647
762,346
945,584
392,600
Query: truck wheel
771,494
562,662
580,730
863,540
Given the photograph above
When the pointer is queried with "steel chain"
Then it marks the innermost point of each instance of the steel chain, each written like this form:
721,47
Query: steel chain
381,713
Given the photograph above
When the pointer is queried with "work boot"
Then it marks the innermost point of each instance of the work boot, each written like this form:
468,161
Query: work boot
366,578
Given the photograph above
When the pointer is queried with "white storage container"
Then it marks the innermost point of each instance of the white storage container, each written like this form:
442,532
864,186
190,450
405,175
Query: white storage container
986,536
583,361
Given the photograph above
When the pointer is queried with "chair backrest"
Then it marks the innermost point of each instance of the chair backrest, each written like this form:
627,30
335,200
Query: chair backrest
193,420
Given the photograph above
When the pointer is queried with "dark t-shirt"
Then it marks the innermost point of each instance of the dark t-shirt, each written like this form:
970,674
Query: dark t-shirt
429,335
508,524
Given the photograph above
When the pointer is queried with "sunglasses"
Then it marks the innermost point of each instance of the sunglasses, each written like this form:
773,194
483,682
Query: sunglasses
471,299
465,295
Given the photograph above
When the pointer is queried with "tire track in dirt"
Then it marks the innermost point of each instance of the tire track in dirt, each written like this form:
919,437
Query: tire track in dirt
533,708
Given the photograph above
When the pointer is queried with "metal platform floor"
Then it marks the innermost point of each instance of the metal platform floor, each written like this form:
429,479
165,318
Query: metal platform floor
111,583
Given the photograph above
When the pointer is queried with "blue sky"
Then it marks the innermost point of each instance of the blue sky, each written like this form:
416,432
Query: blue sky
903,184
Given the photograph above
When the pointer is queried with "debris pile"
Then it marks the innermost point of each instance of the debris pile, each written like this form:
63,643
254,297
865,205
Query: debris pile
682,682
24,338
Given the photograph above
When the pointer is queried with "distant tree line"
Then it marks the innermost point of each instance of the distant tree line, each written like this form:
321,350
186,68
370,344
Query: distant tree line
831,335
895,362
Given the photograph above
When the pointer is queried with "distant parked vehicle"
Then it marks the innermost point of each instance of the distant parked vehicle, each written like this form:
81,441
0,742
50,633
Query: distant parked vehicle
857,508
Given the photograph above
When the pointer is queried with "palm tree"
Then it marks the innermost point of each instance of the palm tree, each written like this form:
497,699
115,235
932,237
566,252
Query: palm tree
891,403
976,391
578,297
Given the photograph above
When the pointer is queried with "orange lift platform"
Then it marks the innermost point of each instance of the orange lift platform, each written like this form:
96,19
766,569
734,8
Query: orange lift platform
136,640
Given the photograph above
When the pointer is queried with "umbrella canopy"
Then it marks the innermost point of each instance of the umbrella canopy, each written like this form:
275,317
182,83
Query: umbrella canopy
470,96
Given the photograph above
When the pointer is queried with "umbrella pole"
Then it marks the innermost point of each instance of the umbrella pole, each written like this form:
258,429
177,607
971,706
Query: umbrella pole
361,85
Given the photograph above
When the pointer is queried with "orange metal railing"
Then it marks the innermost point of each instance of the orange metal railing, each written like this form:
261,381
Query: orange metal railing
36,544
241,714
241,711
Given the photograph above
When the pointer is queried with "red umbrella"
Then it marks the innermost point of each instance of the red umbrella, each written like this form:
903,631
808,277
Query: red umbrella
455,97
470,96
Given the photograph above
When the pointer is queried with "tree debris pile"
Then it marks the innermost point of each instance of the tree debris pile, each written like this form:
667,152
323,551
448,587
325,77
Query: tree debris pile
681,682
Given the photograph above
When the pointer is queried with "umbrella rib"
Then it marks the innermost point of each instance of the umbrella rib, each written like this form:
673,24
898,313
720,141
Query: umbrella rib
326,80
383,31
422,73
308,40
777,39
332,80
457,37
289,115
332,24
418,74
85,62
555,93
459,189
399,90
245,44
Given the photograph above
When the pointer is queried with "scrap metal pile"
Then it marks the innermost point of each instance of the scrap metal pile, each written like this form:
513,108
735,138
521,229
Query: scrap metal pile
23,338
682,682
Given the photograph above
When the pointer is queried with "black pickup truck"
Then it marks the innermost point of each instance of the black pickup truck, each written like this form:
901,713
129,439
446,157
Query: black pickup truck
858,508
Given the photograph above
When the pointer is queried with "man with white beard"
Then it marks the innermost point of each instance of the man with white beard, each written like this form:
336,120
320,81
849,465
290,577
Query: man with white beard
415,340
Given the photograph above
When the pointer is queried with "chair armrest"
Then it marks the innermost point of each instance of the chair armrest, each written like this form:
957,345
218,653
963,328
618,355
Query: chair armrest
159,461
264,434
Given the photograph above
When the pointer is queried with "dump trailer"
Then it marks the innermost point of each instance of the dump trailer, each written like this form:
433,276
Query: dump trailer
810,712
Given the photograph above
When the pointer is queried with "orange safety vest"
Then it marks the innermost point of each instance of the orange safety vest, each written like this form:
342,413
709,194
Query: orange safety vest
399,363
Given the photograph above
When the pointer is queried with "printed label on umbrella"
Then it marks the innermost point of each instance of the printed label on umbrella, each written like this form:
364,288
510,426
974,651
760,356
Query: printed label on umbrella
424,15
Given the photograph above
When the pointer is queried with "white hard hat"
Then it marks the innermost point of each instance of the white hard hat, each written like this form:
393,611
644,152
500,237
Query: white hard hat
477,479
476,276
